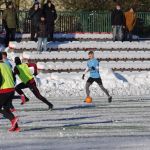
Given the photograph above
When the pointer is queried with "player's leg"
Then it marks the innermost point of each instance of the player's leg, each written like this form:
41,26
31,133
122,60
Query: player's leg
36,92
99,82
10,106
18,89
87,87
6,110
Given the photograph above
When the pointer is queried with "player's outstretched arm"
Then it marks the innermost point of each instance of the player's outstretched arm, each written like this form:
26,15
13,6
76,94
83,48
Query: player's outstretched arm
86,70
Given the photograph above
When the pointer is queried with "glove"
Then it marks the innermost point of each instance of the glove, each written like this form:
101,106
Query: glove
93,68
83,76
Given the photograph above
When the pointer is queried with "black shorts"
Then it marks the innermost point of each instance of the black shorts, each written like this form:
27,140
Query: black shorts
97,80
6,99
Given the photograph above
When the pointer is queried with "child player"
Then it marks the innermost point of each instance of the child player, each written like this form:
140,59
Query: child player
93,67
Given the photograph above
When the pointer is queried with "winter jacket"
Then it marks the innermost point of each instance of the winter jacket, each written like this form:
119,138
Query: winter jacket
117,18
10,18
42,30
50,13
130,20
35,16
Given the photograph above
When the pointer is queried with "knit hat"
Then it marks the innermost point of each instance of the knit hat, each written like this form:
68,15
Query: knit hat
17,61
49,1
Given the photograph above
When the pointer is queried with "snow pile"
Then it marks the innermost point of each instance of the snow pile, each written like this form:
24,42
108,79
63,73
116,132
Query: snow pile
71,84
83,45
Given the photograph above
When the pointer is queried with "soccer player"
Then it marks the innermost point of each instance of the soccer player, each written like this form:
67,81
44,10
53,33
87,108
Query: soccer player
7,91
93,67
25,75
8,62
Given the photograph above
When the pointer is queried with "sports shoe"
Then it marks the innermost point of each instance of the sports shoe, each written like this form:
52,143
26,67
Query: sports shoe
17,129
110,99
24,99
50,107
14,123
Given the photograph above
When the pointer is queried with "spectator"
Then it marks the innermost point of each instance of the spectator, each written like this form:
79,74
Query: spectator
131,18
34,14
118,23
42,35
10,23
50,14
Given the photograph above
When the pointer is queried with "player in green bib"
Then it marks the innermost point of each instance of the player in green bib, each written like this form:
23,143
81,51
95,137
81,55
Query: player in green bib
25,75
7,91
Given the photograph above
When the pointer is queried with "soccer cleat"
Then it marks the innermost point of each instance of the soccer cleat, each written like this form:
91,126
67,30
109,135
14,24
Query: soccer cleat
50,107
110,99
14,123
17,129
24,99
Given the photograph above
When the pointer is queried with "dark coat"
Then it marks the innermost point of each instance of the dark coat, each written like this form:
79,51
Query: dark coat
10,18
35,16
50,14
117,18
42,30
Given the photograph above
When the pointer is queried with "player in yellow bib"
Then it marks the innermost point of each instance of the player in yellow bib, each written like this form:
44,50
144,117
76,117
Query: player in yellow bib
25,75
7,91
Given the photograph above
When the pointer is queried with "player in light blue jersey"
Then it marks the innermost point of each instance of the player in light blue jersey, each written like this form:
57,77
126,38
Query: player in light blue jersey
93,67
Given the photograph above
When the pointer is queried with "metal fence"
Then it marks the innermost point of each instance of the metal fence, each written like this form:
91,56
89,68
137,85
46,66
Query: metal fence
84,22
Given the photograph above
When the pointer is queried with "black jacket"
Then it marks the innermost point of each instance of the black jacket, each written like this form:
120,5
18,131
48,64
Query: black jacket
35,16
117,18
50,14
42,30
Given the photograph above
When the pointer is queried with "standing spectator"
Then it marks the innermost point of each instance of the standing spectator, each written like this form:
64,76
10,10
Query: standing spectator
34,14
131,18
42,35
50,15
10,23
118,23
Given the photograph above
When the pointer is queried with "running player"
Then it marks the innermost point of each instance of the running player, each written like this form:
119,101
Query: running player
7,91
93,67
8,62
24,73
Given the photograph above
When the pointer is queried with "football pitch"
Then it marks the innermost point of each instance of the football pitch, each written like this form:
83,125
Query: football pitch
73,125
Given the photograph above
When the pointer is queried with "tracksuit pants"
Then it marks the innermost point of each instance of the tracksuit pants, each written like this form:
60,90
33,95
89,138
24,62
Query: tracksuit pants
32,86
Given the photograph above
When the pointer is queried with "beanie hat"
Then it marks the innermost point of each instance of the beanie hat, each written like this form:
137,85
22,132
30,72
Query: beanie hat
17,61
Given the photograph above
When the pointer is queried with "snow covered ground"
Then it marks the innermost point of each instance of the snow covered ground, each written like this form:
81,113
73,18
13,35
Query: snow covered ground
72,125
71,84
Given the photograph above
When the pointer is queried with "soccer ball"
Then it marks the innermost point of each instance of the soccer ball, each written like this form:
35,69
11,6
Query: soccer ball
88,100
